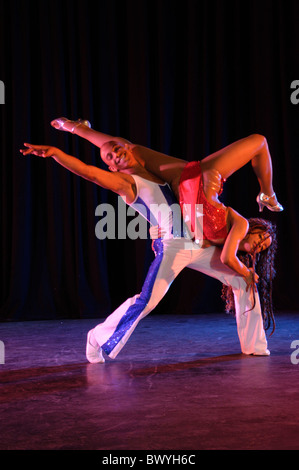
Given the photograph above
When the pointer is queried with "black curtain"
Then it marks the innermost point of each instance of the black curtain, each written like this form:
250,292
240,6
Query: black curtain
183,77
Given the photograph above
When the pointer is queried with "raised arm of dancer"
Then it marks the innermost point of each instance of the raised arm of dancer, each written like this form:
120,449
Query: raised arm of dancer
119,183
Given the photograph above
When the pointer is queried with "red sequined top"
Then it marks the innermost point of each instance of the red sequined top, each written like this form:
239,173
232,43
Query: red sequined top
212,226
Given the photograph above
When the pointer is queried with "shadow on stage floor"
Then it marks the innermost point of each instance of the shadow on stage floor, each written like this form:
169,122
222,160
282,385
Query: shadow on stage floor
181,383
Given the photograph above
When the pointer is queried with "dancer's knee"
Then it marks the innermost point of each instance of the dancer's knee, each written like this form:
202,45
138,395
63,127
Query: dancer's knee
151,305
258,139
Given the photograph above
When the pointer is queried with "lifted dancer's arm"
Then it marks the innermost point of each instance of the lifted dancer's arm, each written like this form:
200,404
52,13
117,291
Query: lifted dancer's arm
121,184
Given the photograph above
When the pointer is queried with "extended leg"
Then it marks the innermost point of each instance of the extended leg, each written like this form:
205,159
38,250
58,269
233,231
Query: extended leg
82,130
164,166
114,332
95,137
167,168
252,149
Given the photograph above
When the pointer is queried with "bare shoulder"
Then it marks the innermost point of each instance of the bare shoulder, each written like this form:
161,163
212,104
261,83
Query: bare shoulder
236,220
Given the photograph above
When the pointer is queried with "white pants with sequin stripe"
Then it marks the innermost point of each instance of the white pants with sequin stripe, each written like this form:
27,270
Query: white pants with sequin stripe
171,257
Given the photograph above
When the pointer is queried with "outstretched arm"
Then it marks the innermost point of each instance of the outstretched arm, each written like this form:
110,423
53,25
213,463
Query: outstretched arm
119,183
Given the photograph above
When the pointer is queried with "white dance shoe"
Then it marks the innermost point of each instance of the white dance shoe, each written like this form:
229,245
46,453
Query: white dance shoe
94,353
59,124
264,353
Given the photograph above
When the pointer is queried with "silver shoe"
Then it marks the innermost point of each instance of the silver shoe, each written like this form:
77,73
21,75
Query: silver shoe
263,201
60,122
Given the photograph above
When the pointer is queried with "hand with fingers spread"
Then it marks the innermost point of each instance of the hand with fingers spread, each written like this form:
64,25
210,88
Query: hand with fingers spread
43,151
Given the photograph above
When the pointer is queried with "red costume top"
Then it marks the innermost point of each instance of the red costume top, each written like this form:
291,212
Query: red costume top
213,225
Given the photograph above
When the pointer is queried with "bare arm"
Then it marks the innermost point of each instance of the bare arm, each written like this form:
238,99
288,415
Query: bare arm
239,228
117,182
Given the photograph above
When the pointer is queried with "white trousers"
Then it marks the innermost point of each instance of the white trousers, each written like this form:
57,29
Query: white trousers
171,257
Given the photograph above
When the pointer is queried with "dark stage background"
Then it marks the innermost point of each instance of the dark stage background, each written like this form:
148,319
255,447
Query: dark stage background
184,77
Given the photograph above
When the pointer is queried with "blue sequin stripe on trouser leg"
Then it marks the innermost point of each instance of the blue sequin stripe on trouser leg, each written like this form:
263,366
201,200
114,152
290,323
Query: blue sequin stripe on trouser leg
133,309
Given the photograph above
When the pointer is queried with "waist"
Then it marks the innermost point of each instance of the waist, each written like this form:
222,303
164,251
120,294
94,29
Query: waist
194,201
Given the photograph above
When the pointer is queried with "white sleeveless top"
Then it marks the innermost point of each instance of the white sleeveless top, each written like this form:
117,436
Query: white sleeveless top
159,206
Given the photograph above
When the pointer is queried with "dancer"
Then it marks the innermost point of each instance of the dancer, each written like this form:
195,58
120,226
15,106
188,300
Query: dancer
131,180
201,183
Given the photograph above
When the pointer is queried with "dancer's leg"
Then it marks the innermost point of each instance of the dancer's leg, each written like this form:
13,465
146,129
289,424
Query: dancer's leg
84,131
252,149
164,166
226,161
249,321
167,168
114,332
95,137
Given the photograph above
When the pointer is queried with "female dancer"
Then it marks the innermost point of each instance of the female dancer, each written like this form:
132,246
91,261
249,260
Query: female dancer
201,183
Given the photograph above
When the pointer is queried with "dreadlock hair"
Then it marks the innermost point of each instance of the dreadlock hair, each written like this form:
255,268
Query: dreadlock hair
263,264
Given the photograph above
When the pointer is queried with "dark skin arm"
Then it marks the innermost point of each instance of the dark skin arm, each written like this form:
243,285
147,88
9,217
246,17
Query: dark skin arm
119,183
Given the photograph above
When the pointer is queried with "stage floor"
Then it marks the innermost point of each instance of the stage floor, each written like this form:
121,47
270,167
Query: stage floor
181,383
